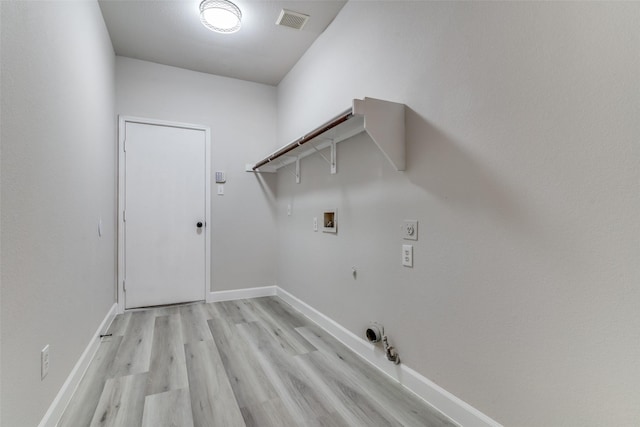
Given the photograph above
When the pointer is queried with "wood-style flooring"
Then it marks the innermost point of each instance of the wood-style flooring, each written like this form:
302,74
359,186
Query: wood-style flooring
255,362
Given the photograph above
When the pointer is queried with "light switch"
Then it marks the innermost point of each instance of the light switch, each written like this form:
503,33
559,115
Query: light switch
220,189
407,255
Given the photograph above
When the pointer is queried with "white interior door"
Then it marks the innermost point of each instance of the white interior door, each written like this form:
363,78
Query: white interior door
164,216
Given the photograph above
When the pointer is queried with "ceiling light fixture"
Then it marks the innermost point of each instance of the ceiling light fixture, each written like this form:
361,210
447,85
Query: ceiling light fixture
220,16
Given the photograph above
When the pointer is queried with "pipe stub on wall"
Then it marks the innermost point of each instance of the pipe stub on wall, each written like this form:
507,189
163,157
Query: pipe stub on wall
373,333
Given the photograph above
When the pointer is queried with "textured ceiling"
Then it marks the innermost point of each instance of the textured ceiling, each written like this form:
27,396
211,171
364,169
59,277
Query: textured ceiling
170,33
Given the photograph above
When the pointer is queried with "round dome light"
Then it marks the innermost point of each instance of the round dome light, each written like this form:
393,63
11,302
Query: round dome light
220,16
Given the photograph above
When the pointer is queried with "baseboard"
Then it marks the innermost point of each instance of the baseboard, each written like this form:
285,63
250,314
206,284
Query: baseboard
61,401
263,291
452,407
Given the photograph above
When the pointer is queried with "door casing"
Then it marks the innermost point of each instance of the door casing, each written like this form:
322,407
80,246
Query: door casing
122,122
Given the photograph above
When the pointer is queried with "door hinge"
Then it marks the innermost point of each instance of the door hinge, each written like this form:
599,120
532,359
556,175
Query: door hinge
124,285
124,145
124,216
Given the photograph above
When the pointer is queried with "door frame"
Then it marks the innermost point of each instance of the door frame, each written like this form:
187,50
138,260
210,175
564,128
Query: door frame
122,123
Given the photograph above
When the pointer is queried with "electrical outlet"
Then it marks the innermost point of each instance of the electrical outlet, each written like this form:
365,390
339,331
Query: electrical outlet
220,190
315,223
44,362
407,255
410,229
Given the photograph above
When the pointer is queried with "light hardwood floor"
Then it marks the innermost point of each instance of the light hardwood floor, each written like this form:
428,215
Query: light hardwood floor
254,362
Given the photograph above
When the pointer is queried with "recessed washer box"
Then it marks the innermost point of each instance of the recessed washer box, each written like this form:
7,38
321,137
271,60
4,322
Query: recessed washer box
330,221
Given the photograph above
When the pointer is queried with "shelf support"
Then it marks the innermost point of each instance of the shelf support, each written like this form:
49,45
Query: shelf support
332,160
296,172
384,122
333,157
321,155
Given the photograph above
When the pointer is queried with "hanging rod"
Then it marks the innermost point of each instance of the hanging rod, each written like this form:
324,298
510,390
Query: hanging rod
308,137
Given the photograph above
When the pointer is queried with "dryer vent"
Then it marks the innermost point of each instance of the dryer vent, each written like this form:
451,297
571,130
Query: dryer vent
292,19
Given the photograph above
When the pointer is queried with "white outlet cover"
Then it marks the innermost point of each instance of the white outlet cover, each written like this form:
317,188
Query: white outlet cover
407,255
315,223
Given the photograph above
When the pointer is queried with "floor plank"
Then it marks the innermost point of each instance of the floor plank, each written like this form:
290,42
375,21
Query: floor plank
247,378
194,323
121,403
294,388
332,420
280,309
134,353
119,324
349,399
271,413
168,370
167,310
83,405
239,311
169,409
282,329
212,400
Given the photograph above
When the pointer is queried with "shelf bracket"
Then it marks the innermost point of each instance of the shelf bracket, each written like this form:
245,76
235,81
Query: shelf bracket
296,172
332,157
384,122
286,161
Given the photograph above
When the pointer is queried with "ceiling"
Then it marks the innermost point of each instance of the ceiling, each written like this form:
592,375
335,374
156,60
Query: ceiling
170,33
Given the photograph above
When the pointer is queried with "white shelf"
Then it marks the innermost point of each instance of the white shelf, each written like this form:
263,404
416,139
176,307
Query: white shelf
382,120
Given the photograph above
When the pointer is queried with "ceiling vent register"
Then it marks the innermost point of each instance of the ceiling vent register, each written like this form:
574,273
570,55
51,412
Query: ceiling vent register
292,19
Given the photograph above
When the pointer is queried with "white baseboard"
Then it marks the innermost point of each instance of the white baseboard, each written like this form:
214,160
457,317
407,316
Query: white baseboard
452,407
61,401
263,291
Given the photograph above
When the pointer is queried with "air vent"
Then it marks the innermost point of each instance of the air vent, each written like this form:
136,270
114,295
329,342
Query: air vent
292,19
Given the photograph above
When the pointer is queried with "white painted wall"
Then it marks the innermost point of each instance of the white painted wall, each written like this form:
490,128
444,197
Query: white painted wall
58,180
242,118
0,217
523,170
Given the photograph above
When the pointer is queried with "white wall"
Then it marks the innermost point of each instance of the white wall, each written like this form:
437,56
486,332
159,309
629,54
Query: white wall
58,180
523,170
242,118
0,217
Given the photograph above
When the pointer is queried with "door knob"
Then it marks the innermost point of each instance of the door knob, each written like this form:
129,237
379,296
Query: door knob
199,225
